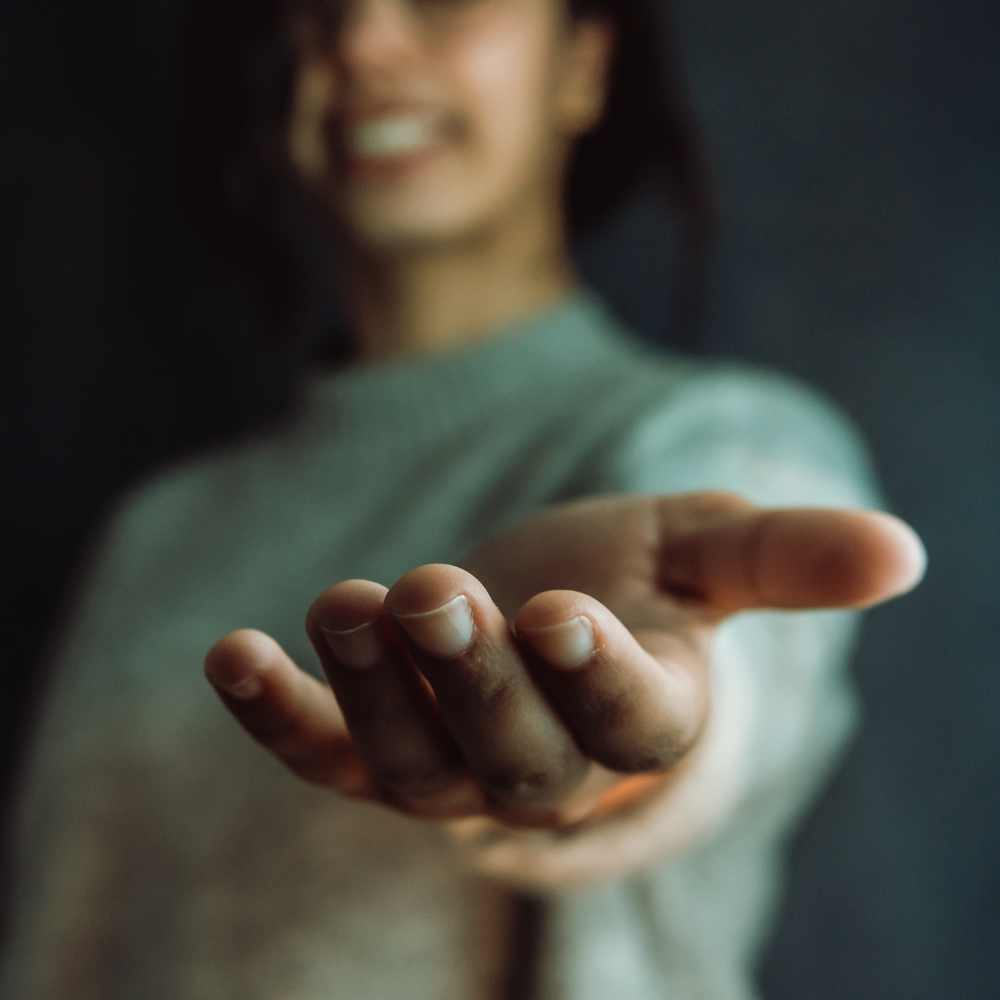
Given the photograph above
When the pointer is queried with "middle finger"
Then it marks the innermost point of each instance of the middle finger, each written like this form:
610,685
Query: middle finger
513,740
389,712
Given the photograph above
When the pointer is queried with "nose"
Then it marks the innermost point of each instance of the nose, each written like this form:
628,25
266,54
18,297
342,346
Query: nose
375,34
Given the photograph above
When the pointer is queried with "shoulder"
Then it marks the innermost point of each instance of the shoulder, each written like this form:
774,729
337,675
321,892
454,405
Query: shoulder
178,520
214,485
676,421
757,404
637,388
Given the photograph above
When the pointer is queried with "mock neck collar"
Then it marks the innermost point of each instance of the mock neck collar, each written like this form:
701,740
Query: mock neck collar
552,342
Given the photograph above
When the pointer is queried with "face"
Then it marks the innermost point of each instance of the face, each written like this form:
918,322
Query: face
422,122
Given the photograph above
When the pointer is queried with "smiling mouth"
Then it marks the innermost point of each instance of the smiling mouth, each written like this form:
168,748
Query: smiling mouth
389,166
390,148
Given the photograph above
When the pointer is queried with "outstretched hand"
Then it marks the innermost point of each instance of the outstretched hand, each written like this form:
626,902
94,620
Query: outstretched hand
563,668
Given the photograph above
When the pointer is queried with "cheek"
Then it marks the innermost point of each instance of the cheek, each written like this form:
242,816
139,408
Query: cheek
306,142
508,86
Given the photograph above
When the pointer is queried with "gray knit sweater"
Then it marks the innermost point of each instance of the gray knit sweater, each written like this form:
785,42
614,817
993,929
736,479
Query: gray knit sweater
159,853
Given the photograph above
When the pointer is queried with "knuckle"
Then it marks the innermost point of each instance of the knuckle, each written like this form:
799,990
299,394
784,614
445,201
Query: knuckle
658,752
498,695
518,784
527,782
414,779
612,711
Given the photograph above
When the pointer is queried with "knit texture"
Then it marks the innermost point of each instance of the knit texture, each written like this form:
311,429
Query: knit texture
159,853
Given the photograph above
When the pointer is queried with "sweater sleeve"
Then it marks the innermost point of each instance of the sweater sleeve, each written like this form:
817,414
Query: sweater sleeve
783,704
778,442
94,850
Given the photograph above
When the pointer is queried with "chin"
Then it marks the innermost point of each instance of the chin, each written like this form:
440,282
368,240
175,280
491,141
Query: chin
398,233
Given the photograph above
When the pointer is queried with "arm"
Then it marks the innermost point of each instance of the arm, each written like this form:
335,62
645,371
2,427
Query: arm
474,713
783,705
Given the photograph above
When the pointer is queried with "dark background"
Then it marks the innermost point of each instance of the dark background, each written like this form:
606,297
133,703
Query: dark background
857,150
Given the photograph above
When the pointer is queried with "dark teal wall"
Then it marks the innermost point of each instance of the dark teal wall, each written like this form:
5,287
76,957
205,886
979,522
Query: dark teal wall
857,153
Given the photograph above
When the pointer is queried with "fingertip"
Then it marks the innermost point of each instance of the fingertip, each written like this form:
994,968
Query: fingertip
346,604
549,607
566,645
235,661
244,643
909,554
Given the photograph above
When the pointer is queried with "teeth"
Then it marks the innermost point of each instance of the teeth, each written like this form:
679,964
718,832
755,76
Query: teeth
388,136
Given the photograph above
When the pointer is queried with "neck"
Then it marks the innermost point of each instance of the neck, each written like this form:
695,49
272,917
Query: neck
438,297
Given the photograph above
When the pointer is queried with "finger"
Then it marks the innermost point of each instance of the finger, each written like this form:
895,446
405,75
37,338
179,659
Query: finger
734,556
512,739
387,707
634,702
286,710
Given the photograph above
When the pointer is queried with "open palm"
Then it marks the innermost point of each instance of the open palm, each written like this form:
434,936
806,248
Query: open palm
563,667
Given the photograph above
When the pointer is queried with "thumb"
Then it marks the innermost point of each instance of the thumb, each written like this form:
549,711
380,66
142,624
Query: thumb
738,556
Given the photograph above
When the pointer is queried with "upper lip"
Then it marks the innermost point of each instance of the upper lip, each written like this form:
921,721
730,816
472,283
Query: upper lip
357,115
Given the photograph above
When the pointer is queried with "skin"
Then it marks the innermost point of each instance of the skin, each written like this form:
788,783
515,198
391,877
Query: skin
498,732
475,239
497,736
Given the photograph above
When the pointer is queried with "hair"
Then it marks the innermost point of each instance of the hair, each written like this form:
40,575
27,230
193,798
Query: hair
240,196
648,132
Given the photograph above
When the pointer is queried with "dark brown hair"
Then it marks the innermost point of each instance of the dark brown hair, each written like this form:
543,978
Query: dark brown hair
237,86
649,133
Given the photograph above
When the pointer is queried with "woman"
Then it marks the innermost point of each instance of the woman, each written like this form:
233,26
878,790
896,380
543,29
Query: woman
555,693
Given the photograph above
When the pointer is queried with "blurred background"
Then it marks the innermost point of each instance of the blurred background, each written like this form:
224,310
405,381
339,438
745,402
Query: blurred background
856,151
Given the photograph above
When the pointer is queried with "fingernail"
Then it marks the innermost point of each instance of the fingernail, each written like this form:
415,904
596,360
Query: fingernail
357,647
445,631
918,551
244,688
568,645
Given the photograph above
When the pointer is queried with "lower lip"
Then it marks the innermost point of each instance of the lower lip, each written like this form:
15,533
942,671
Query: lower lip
390,168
